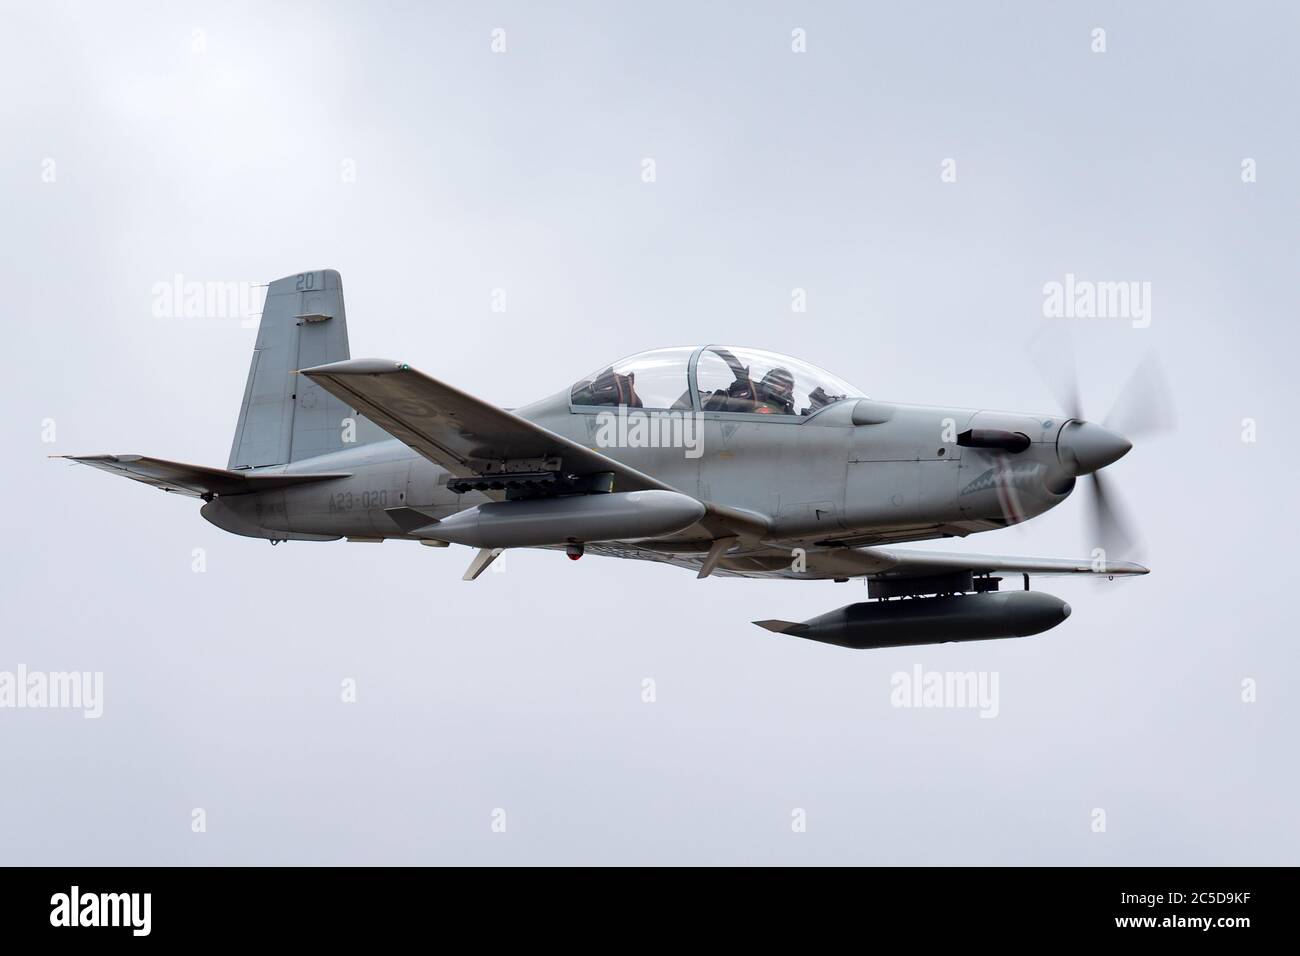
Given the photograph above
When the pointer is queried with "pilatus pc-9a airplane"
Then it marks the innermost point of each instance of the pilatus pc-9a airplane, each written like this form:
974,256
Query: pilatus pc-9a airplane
719,459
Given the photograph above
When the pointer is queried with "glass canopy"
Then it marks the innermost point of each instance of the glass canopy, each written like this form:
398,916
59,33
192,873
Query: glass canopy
714,378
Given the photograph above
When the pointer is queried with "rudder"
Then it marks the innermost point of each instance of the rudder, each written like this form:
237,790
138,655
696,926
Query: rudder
284,416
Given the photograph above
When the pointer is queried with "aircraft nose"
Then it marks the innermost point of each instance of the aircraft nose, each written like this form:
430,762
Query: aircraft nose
1084,447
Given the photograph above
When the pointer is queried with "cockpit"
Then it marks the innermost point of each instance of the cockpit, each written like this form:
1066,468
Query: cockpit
714,378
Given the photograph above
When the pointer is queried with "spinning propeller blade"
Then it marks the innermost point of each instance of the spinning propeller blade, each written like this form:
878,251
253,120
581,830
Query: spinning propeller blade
1111,529
1144,407
1052,350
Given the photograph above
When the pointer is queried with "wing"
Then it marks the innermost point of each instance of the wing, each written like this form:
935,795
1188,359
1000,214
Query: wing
490,448
197,481
464,435
913,563
883,564
471,438
887,563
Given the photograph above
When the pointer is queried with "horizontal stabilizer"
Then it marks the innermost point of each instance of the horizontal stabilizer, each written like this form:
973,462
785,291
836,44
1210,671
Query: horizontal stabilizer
782,627
197,481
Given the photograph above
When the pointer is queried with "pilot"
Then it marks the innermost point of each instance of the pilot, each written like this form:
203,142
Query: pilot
608,388
776,393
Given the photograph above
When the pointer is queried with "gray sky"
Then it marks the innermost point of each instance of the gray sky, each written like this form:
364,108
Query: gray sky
223,155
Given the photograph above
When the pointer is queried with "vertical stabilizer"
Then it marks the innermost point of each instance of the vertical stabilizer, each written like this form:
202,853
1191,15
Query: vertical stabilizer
285,416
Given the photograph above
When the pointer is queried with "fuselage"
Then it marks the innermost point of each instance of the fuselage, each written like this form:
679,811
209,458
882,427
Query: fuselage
857,472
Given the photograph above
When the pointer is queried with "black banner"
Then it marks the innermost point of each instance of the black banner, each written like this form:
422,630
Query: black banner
1173,906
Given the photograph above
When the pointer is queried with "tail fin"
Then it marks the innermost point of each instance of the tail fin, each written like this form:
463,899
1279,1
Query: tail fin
286,416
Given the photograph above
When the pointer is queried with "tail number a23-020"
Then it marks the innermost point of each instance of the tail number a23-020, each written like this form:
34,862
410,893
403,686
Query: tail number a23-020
365,500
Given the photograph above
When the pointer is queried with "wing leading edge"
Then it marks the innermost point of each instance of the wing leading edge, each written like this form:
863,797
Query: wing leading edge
912,563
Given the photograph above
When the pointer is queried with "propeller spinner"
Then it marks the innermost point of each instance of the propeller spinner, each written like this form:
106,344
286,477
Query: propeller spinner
1084,448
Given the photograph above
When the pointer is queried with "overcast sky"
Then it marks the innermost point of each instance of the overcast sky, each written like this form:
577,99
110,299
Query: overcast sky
243,142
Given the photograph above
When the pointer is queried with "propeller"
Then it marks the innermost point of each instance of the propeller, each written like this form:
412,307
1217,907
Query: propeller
1143,408
1110,525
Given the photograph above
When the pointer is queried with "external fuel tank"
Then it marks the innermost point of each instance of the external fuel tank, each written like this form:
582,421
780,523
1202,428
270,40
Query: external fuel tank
931,620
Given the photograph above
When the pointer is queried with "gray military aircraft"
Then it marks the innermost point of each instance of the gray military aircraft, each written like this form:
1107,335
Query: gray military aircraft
724,460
